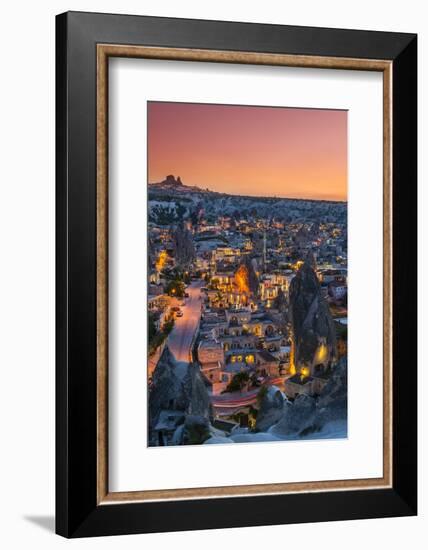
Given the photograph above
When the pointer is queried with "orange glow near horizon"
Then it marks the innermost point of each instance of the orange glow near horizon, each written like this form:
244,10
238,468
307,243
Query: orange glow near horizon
259,151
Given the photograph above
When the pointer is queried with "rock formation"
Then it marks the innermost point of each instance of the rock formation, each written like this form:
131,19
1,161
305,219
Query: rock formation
242,280
282,318
297,417
246,277
195,431
170,180
255,265
166,391
313,332
281,303
307,415
252,276
332,403
198,400
271,409
177,386
184,248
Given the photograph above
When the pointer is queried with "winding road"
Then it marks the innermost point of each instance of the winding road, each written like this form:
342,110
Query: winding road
180,340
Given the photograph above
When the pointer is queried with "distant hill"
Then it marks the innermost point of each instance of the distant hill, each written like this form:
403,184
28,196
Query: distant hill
175,185
171,201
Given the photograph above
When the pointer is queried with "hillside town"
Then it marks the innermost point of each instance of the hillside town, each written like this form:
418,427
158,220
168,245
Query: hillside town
247,317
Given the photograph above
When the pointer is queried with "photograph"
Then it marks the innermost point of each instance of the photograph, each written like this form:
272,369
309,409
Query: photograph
247,273
200,200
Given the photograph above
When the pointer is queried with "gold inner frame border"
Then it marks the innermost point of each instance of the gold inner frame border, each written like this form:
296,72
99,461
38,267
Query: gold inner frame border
104,52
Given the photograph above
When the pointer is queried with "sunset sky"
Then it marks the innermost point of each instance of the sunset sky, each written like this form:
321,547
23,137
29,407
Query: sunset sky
261,151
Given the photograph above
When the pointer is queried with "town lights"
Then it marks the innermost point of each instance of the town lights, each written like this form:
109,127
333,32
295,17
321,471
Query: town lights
161,261
304,372
298,265
242,279
321,354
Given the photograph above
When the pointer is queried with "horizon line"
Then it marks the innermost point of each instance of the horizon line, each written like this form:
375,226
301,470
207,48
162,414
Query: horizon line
255,196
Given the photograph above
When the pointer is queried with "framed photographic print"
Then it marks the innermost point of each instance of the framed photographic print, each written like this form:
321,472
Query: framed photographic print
236,274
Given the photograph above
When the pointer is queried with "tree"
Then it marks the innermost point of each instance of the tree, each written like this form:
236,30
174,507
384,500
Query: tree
175,288
152,326
157,338
168,326
172,274
238,381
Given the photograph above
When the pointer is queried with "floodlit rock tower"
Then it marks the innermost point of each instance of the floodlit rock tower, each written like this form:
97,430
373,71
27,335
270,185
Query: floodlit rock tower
177,387
313,334
184,248
242,281
246,278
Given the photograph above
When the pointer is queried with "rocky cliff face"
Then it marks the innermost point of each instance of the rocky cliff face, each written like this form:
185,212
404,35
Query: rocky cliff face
332,404
281,303
198,400
166,391
252,276
314,336
195,431
184,249
271,409
323,417
307,415
177,386
170,180
282,318
297,417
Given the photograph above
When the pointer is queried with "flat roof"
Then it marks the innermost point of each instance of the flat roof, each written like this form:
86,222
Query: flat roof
209,343
211,365
266,355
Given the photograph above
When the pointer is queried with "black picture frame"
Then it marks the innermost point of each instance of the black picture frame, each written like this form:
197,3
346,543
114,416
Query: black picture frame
77,511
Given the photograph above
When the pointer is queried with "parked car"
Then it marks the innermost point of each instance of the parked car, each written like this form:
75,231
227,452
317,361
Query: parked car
175,309
179,314
186,294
